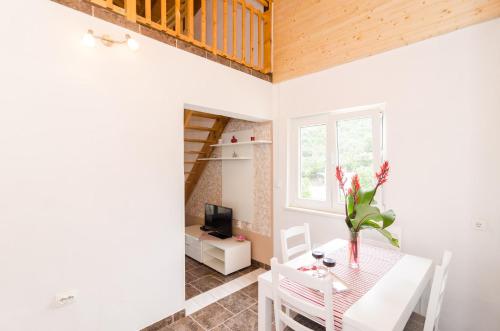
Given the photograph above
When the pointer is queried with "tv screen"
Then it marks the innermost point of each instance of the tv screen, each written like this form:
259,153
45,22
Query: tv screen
219,220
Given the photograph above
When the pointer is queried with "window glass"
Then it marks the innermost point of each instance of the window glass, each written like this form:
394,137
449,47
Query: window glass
355,149
313,162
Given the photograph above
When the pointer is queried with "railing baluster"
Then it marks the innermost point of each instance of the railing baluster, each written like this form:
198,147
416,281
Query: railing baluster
267,40
178,16
224,39
243,34
190,19
163,14
259,40
131,10
148,10
250,11
214,26
235,7
204,21
259,37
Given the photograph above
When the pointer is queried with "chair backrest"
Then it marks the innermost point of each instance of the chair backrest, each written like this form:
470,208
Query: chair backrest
295,231
437,293
281,296
374,238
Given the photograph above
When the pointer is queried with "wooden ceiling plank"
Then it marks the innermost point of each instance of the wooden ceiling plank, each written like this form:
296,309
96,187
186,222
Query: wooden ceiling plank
311,36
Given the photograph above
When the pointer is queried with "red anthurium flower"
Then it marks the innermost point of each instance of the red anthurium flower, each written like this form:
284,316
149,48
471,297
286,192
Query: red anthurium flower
340,177
383,174
355,187
355,183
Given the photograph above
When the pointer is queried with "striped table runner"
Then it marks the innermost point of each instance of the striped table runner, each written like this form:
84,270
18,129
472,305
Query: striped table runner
375,262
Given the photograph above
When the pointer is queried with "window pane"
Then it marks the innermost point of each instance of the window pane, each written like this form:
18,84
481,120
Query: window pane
355,149
313,162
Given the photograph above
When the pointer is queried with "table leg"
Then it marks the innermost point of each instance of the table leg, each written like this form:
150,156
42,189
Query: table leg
265,310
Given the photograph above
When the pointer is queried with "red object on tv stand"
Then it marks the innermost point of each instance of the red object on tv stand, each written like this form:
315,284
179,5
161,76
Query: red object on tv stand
234,140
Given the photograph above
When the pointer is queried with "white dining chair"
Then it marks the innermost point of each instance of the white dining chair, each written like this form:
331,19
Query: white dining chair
435,299
283,297
296,231
374,238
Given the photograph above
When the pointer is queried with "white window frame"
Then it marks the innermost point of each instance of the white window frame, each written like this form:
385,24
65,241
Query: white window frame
331,203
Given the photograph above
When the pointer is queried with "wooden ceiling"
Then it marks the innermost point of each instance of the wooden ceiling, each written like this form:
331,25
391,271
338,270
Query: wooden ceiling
312,35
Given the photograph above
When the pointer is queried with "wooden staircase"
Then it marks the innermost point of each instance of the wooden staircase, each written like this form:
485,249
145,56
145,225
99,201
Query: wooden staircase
199,146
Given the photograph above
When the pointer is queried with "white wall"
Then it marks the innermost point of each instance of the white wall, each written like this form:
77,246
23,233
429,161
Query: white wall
91,161
443,112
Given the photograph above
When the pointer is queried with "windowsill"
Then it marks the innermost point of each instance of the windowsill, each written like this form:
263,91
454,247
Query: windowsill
315,212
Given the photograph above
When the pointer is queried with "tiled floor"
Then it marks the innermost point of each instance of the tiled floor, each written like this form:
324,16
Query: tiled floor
237,311
200,278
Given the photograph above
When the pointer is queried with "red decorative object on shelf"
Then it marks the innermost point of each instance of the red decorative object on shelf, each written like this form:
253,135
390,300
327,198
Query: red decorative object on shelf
234,140
252,138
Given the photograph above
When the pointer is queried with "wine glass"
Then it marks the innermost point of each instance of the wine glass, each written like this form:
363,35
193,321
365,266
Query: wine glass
329,263
318,255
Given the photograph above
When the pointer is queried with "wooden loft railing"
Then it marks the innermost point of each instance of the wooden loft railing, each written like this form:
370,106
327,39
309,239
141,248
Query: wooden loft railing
234,29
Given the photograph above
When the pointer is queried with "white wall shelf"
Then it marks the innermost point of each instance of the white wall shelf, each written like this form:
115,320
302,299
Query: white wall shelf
256,142
224,158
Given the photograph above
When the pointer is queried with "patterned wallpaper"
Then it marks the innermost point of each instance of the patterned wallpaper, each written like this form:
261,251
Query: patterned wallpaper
209,187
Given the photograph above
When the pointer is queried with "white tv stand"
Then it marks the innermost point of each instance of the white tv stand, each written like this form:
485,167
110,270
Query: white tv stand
223,255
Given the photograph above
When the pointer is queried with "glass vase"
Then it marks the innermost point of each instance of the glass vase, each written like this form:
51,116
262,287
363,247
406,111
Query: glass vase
354,246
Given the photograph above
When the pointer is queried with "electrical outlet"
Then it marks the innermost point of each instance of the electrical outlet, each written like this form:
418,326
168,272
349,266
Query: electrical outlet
479,225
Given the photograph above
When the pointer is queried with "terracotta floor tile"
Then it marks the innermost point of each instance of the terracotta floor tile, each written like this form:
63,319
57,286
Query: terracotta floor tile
237,302
245,321
206,283
184,324
211,316
191,291
252,291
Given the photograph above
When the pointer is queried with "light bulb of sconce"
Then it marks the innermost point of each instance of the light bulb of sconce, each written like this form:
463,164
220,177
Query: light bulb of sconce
132,43
89,39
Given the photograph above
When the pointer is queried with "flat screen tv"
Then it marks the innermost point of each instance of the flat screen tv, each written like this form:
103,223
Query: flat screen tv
219,221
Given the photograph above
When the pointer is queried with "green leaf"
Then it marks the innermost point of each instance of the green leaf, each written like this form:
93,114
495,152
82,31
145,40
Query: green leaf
350,204
365,196
394,241
388,218
365,213
370,225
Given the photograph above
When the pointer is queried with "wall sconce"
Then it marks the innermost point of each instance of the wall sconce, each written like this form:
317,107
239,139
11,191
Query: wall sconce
89,40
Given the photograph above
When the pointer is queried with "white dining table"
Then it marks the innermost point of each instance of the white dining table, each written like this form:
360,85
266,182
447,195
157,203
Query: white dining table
387,306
